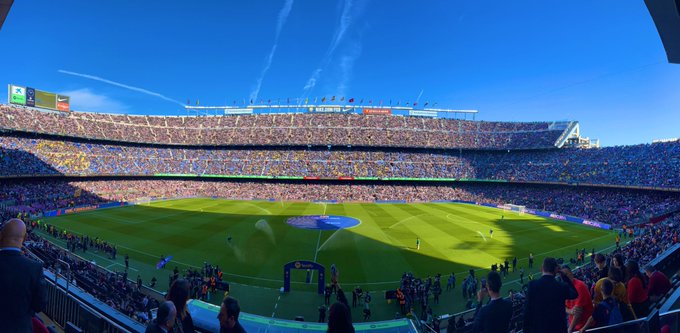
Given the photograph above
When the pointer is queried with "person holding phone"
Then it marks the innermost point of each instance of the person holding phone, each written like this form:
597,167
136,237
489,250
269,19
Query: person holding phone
494,317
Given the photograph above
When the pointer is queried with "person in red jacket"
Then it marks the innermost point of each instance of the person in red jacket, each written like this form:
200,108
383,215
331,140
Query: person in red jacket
581,308
658,283
635,286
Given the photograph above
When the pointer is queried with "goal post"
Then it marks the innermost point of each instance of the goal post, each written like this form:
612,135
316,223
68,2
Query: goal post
517,208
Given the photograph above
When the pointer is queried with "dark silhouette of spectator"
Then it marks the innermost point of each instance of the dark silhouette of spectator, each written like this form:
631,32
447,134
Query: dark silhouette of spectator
339,319
165,319
658,283
22,285
179,295
636,289
544,309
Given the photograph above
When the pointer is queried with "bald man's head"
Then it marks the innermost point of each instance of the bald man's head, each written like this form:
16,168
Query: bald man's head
13,233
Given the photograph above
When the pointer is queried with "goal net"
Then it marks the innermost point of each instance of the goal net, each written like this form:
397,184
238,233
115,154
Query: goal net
517,208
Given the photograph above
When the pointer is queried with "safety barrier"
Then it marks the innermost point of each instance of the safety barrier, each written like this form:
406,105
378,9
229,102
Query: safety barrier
67,303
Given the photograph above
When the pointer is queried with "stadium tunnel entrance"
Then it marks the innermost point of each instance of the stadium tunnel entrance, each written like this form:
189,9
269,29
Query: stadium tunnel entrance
308,265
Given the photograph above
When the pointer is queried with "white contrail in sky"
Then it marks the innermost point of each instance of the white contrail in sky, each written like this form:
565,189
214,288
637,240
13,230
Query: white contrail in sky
420,95
346,20
347,66
283,16
125,86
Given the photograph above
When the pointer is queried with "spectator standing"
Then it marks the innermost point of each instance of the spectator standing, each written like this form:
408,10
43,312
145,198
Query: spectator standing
636,288
658,283
494,317
22,284
601,263
581,308
179,295
619,293
322,313
339,319
544,308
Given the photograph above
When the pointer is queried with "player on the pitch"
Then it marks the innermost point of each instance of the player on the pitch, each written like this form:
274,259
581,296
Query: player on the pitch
491,233
417,243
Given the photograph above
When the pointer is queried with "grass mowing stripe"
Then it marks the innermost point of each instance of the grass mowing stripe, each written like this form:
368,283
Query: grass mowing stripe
366,253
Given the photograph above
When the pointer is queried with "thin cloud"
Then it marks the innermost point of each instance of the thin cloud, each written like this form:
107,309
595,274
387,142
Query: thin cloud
121,85
347,67
87,100
283,17
420,95
350,10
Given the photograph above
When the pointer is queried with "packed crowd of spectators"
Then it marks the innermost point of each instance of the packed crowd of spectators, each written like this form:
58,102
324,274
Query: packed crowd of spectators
112,288
286,129
613,206
625,267
655,165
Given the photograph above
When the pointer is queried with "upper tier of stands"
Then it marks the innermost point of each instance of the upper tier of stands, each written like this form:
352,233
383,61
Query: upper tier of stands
286,129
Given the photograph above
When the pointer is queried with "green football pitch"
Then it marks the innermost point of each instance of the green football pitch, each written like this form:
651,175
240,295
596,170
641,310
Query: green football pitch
374,254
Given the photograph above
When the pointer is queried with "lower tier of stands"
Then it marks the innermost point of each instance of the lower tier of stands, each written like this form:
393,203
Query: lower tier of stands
656,165
608,205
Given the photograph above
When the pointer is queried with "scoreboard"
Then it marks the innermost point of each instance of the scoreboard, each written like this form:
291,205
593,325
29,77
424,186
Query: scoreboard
28,96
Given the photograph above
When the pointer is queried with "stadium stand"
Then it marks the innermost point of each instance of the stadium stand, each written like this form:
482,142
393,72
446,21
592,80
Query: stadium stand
57,160
284,129
655,165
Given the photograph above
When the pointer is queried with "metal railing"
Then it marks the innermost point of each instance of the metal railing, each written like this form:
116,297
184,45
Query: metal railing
71,304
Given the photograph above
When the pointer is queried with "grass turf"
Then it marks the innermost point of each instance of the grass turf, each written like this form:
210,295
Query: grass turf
374,254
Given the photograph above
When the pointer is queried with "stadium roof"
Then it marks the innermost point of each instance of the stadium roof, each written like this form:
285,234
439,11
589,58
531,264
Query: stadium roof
5,5
666,15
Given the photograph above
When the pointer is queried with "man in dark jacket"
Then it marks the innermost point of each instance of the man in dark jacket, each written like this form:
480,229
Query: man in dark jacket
228,316
494,317
22,285
544,307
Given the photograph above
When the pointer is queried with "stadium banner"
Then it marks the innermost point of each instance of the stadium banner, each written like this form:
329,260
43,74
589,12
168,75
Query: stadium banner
82,208
63,103
238,111
390,201
30,96
345,178
234,176
366,178
330,109
432,114
204,313
482,180
568,218
289,177
540,213
45,100
17,95
311,177
377,111
421,179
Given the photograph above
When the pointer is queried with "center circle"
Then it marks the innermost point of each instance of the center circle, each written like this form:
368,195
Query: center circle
323,222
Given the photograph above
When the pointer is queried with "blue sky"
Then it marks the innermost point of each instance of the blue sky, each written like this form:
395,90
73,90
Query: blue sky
599,62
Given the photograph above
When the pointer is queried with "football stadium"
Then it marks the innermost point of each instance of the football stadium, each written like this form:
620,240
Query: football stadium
328,213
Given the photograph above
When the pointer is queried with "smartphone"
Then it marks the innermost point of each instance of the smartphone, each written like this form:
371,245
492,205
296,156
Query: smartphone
484,284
